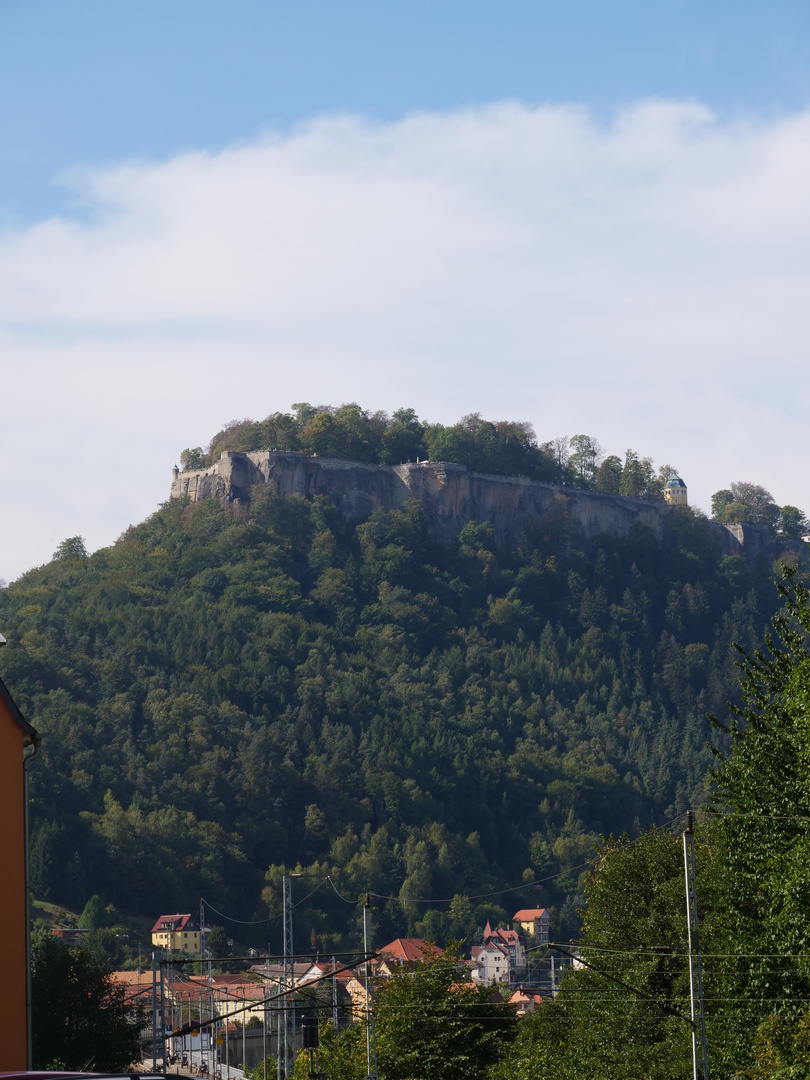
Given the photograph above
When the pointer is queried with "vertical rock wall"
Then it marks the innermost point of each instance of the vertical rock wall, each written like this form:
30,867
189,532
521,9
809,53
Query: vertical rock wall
451,497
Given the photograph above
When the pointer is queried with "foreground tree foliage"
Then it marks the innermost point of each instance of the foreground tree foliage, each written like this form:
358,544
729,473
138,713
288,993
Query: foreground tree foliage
628,1014
80,1018
431,1024
762,789
753,859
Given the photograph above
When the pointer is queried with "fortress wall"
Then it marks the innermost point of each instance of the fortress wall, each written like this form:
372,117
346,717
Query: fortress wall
451,495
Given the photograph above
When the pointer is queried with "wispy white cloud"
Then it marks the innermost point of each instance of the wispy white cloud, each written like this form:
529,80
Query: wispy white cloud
644,281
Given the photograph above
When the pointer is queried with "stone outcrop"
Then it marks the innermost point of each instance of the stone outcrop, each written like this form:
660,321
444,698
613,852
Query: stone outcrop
451,497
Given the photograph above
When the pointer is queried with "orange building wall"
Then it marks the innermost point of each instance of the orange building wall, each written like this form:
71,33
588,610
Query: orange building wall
13,914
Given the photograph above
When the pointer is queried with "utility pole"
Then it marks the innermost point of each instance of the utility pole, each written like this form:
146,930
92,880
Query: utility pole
700,1064
163,1011
371,1038
285,1070
334,996
202,934
264,1032
154,1015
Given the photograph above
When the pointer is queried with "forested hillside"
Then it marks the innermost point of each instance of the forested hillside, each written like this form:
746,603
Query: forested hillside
224,694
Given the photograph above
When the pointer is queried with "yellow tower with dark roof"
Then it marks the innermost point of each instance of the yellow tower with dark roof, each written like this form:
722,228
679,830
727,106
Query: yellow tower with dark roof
675,492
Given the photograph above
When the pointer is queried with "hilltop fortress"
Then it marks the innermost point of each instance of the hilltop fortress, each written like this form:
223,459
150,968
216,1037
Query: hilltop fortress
451,497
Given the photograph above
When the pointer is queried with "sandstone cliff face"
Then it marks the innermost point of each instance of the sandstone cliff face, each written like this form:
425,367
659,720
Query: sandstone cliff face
451,497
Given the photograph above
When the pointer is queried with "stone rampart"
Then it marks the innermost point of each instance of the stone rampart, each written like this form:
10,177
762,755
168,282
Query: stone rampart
451,497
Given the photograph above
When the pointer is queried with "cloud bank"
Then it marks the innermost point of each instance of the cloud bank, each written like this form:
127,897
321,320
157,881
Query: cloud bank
643,281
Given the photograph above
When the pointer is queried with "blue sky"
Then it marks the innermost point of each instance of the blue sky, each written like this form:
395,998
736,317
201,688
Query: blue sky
552,212
89,81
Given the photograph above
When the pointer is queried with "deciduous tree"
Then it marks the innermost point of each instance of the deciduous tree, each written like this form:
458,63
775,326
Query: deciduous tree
598,1028
792,523
762,788
745,502
608,476
583,459
72,548
432,1024
80,1018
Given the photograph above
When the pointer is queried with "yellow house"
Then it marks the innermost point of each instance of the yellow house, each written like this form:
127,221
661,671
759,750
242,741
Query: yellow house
534,921
675,491
176,932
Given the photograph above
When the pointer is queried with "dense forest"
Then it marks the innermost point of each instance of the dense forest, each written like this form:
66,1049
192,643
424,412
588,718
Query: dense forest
226,694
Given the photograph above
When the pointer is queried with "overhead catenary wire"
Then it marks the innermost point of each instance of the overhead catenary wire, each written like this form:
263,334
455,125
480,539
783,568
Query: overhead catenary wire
450,899
270,918
652,951
754,815
327,879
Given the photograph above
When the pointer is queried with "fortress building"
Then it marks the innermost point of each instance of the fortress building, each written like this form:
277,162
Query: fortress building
675,491
451,496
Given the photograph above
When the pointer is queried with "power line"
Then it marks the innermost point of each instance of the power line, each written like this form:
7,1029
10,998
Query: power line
241,922
270,918
755,815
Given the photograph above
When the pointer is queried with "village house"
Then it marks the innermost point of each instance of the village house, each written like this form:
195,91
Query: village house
343,990
176,933
237,998
526,1001
404,952
355,986
501,958
272,974
512,943
534,922
137,986
490,964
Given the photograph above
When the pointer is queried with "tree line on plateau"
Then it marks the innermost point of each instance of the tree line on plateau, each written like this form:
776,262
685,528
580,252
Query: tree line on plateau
502,447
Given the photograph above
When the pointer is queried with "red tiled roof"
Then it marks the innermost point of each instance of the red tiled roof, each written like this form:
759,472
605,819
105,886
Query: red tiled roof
509,937
132,978
179,922
230,979
528,914
136,988
410,949
490,946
